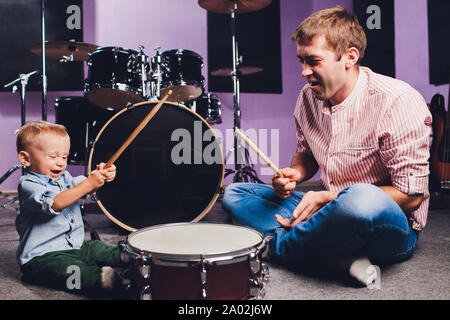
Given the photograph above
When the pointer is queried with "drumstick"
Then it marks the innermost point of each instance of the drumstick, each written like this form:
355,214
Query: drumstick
260,153
137,130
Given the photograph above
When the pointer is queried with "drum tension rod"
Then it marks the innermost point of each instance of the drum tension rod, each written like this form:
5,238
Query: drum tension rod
203,277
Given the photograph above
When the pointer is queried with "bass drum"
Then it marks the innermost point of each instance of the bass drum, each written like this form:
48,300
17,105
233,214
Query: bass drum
172,171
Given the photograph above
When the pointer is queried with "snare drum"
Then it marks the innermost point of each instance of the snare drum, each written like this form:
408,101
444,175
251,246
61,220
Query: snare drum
182,73
114,77
83,121
208,106
188,261
171,172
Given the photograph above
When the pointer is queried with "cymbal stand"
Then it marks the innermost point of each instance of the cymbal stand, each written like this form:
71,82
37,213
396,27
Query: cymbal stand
242,173
44,69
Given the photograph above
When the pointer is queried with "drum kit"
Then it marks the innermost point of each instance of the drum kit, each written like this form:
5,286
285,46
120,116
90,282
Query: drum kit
171,257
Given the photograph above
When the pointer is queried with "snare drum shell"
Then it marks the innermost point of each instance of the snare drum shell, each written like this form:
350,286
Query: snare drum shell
177,274
223,282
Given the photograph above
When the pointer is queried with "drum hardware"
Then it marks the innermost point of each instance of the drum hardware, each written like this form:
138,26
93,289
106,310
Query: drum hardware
146,293
155,84
242,173
6,176
203,278
143,62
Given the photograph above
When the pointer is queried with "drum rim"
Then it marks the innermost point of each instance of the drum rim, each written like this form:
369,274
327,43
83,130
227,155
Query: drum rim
230,256
88,87
111,48
182,51
183,83
125,109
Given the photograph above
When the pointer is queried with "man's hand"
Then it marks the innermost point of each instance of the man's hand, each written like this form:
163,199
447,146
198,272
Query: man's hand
310,203
283,187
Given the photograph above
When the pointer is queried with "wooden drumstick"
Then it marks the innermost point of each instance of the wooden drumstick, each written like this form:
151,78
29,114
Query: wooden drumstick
259,153
136,131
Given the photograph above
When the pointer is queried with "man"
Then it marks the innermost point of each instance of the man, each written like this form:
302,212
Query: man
369,135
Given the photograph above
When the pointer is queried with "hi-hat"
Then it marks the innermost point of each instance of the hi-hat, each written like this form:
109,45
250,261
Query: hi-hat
69,50
227,72
225,6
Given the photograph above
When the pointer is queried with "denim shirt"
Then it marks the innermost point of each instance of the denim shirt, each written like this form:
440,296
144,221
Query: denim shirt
41,229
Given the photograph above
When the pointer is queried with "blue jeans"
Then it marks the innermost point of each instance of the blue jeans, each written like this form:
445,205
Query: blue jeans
362,219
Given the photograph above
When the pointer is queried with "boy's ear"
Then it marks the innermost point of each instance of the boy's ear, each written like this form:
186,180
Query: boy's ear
24,158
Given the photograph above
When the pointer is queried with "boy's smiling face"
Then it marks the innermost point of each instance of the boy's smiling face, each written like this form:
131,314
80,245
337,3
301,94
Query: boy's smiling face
47,155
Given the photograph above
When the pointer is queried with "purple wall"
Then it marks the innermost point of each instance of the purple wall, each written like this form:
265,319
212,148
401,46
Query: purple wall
182,24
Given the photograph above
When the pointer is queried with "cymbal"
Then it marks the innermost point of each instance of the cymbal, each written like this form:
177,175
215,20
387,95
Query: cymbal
61,49
226,72
225,6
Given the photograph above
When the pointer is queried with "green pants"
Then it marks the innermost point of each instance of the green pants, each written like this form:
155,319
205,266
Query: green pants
77,270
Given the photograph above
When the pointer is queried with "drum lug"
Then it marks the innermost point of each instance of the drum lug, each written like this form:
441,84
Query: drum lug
144,269
265,273
256,289
124,256
146,293
203,279
255,266
94,197
125,276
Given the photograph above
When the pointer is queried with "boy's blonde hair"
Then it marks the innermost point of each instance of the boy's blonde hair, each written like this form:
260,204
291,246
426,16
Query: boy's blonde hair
31,130
340,28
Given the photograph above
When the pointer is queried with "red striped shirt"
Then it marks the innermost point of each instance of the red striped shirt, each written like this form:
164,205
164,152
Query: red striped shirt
379,135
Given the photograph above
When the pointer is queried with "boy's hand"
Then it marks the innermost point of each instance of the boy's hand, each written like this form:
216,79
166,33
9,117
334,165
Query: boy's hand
96,179
108,173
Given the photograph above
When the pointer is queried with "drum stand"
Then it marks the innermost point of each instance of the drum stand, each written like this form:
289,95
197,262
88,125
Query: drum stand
242,173
23,79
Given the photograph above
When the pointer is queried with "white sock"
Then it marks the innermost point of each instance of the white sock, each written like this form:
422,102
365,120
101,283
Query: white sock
109,278
359,269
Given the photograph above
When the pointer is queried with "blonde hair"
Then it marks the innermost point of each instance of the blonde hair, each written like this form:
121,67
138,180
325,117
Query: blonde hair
340,28
31,130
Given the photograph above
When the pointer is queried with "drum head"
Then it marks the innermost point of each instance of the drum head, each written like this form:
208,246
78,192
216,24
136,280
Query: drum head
171,172
194,239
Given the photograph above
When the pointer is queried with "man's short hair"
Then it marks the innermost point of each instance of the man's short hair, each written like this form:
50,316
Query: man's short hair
340,28
31,130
